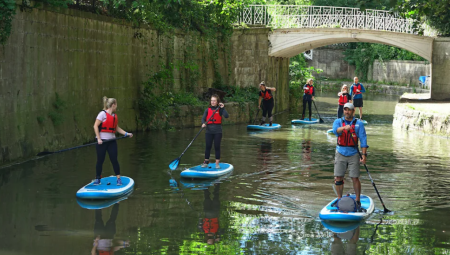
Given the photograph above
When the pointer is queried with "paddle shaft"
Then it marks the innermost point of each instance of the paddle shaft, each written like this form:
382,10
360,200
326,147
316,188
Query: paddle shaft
77,147
257,112
218,107
317,111
367,170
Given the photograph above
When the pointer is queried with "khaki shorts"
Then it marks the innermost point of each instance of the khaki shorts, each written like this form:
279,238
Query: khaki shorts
341,163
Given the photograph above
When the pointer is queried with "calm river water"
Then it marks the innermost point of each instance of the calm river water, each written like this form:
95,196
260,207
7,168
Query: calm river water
269,205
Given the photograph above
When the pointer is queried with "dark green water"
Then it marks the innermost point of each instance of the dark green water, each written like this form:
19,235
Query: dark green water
269,205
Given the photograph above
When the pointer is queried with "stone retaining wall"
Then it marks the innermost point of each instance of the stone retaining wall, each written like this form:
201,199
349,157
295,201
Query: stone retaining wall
408,117
58,64
371,88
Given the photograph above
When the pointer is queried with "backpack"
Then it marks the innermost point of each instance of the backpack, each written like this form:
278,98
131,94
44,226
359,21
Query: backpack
346,204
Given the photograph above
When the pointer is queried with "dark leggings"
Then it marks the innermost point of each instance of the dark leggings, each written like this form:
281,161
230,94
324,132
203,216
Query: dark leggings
109,230
217,138
267,108
309,106
340,111
111,147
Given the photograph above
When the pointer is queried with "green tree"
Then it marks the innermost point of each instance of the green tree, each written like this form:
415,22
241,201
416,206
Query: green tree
435,13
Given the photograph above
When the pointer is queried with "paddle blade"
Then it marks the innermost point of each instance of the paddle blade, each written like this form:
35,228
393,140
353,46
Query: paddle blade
173,183
174,164
44,153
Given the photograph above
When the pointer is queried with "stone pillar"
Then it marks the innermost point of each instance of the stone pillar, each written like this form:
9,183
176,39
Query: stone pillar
440,75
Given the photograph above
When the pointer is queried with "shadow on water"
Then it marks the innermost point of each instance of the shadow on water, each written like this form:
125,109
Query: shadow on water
269,205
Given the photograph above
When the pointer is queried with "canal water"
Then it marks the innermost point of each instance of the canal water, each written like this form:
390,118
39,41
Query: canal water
269,205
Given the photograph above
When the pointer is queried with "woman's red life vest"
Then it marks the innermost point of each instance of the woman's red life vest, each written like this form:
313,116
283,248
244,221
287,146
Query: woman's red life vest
210,225
343,99
309,89
216,119
355,87
348,138
267,95
110,124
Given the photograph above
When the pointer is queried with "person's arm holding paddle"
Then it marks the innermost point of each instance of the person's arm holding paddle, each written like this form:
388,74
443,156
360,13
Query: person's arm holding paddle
363,139
123,132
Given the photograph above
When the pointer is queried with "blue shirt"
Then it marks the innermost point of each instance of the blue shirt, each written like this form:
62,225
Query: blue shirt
360,132
357,95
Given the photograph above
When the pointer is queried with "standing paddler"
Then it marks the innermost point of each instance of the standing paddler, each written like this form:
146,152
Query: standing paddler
356,91
308,97
265,94
349,131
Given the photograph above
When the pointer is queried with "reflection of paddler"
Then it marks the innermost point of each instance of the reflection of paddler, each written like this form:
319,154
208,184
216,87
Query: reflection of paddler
337,247
104,234
265,150
210,224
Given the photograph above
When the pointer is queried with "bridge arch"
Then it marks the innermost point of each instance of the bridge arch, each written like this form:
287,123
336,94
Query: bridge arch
293,41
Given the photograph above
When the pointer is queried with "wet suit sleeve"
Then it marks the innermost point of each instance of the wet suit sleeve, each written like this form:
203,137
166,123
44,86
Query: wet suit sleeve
349,97
205,114
351,91
223,113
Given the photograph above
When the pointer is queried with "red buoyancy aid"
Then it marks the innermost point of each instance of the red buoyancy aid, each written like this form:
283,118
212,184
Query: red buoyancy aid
210,225
267,95
110,124
355,87
111,252
348,138
343,99
216,119
309,89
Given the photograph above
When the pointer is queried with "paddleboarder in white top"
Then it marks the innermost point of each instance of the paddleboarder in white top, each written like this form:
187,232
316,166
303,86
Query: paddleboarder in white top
105,128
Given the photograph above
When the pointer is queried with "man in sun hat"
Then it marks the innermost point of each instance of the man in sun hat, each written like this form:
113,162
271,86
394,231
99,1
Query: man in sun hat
349,131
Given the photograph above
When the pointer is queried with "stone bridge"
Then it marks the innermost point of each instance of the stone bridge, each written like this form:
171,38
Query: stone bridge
298,28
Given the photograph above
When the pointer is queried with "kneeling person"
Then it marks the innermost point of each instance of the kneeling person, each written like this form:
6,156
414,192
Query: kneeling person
349,131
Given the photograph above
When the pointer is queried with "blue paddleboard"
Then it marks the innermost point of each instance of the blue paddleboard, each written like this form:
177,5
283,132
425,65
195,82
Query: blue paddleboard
101,204
201,184
305,121
107,189
331,213
364,122
207,172
341,227
330,131
264,127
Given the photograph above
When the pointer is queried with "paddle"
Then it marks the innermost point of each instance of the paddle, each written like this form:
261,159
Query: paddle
321,120
373,183
257,112
85,145
174,163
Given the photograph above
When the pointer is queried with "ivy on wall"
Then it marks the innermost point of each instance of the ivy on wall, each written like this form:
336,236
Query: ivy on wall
7,11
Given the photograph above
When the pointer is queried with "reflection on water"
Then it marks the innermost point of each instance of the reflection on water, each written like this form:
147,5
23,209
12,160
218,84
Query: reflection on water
268,205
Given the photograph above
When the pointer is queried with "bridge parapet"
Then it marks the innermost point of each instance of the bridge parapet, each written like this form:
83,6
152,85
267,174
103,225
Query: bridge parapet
307,16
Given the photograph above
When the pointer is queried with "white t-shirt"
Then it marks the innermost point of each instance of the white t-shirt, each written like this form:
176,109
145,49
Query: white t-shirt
105,135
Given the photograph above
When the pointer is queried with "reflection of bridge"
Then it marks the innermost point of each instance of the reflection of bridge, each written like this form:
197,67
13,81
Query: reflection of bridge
298,28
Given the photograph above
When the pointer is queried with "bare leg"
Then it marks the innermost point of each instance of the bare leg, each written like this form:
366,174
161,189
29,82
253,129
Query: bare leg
357,187
217,162
360,113
339,188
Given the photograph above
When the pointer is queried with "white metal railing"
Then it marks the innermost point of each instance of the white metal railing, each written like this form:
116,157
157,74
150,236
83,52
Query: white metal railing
307,16
308,54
